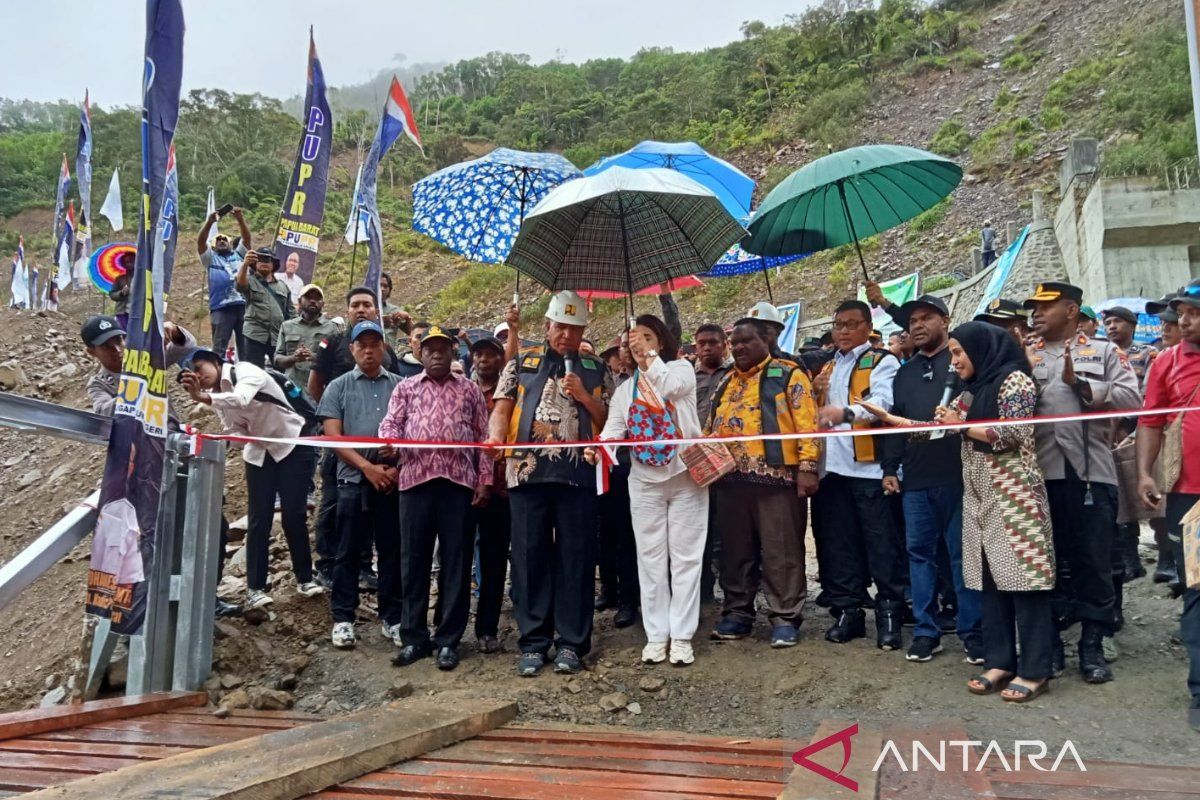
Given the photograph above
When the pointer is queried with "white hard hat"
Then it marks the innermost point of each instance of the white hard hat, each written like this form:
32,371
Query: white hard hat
766,312
568,308
501,330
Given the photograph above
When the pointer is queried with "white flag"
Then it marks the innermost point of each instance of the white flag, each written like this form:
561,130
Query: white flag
112,204
20,285
357,212
208,212
63,278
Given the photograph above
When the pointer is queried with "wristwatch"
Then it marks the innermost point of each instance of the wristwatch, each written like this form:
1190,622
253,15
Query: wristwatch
848,415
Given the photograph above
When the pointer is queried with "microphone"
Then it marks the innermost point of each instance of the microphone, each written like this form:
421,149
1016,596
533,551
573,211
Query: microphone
945,399
568,363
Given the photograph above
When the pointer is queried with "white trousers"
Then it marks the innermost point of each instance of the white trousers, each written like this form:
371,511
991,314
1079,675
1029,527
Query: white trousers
670,522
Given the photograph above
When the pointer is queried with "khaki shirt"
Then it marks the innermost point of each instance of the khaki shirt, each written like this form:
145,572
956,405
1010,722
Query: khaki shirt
1103,367
296,332
265,304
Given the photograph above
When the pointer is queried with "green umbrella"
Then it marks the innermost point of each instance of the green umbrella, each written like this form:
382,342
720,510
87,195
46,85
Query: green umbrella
845,196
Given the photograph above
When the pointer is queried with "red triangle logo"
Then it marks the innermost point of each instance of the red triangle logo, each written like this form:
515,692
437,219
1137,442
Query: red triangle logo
801,757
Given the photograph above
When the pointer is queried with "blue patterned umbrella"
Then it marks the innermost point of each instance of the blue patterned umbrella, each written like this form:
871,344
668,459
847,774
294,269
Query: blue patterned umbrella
737,261
476,208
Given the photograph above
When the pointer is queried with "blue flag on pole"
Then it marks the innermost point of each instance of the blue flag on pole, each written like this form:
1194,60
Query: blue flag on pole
83,174
304,202
60,203
125,537
397,119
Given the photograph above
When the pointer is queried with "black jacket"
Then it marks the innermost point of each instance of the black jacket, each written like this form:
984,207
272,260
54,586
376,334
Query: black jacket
918,389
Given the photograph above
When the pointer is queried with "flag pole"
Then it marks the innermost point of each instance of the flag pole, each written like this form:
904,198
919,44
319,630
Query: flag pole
354,247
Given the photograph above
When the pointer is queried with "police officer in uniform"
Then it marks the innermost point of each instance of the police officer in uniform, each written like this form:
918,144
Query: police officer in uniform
1075,374
552,393
1007,314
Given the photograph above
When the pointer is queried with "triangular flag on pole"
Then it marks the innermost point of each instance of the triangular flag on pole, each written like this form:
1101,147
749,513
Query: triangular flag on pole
112,204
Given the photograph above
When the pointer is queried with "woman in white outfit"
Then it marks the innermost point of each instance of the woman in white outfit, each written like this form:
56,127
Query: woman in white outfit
670,512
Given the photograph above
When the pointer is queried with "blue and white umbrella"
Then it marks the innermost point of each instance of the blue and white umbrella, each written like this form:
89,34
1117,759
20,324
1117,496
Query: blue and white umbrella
731,186
739,262
476,208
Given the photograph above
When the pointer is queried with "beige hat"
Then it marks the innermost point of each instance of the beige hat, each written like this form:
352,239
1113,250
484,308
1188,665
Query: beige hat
567,308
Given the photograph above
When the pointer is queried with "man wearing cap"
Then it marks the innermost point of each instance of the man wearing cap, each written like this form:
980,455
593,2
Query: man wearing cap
104,339
1174,382
437,491
1007,314
552,394
713,363
494,524
249,402
334,359
354,405
1120,325
1089,321
268,304
226,307
299,336
857,540
932,481
1076,374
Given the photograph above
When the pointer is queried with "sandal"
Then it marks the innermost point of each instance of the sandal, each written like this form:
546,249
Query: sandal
1026,693
988,686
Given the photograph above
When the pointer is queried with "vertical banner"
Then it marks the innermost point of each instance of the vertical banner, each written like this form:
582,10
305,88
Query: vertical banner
356,225
397,119
210,208
168,234
60,201
20,278
124,540
791,323
898,291
67,240
83,174
304,201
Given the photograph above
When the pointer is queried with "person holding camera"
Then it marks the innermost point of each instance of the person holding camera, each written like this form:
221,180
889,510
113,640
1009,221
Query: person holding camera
268,304
251,403
226,307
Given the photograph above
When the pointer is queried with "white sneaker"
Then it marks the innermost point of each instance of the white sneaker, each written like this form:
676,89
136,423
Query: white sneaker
391,632
343,635
681,652
654,652
257,599
310,589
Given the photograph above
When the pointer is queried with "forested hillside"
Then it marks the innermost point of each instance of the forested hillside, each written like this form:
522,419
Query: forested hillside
971,79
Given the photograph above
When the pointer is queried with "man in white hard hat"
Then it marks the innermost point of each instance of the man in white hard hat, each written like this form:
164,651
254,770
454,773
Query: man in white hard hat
552,393
769,314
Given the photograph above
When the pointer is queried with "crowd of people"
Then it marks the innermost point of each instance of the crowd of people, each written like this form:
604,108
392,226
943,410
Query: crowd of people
1003,531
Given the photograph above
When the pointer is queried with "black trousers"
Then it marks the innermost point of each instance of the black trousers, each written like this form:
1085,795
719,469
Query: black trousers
257,353
553,565
288,479
857,543
1083,537
365,515
326,525
617,547
493,538
437,510
1010,618
710,568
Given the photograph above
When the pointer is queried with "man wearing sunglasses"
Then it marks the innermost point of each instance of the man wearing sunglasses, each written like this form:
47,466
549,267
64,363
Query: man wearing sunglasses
932,481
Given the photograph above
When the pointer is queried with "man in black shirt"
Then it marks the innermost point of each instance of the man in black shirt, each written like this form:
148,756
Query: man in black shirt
333,359
932,486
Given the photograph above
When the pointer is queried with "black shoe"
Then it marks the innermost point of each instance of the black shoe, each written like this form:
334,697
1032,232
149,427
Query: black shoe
447,659
1164,571
1092,665
530,664
973,650
923,648
324,579
851,624
411,654
607,598
368,581
1058,657
224,609
822,599
947,619
625,616
1134,568
566,662
887,627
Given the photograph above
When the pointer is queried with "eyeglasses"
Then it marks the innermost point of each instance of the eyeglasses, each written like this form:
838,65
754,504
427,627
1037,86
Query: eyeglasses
848,324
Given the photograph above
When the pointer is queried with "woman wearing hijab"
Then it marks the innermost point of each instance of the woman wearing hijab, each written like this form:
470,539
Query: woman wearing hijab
1008,552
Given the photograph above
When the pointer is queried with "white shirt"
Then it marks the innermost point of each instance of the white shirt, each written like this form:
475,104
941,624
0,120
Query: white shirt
675,383
294,283
838,454
241,413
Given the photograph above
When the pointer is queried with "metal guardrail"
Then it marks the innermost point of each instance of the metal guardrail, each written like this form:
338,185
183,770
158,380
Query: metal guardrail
37,416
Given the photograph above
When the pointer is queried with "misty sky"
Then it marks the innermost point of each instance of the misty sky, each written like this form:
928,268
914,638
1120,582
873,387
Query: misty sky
54,48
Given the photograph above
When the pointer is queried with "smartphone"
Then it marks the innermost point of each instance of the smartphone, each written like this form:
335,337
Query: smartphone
225,209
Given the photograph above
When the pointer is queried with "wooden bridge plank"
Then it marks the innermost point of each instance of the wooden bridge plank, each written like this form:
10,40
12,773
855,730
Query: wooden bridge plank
287,764
667,739
55,718
145,751
925,780
30,780
586,750
206,738
474,788
1184,782
89,764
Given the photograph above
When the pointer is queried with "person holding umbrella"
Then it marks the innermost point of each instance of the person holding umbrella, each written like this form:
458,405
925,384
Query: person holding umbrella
549,394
